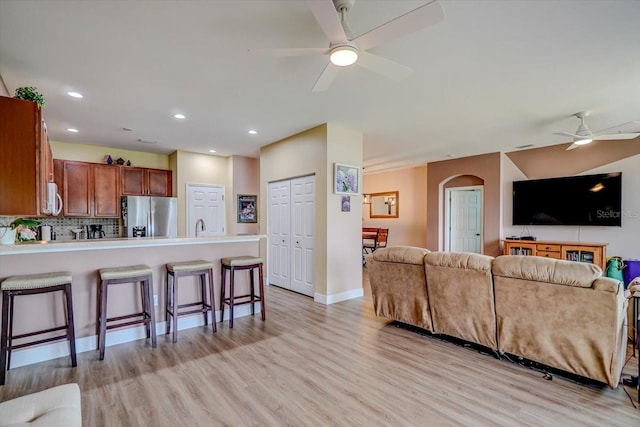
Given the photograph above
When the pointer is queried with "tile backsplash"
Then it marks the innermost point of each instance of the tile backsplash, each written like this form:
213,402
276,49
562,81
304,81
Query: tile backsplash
62,227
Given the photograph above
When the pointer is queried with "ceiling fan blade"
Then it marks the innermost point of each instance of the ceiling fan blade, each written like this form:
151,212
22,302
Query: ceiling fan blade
325,13
615,136
429,14
326,78
384,66
572,147
613,129
570,135
300,51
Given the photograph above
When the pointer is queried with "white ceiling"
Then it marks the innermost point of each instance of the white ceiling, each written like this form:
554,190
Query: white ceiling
492,76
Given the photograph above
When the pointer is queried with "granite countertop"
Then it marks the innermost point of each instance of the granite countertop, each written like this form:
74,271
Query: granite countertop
132,242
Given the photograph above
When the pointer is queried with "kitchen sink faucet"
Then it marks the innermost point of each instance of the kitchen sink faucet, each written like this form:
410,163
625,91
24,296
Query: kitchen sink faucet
203,227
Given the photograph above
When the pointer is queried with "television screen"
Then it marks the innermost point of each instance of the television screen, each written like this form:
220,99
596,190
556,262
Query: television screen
576,200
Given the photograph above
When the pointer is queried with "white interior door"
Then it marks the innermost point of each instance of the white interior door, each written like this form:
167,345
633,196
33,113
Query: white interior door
464,217
279,233
303,212
205,202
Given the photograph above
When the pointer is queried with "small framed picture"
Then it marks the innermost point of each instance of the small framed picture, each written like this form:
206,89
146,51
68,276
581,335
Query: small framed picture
346,179
247,208
346,204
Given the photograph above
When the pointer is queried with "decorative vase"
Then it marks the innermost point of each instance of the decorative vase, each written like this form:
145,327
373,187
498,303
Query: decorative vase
7,236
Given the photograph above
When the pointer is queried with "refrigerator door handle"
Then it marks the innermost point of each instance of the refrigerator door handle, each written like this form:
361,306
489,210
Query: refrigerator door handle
150,224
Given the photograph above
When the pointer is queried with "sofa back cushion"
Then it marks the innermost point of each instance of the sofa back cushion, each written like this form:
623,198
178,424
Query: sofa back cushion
460,290
398,288
539,269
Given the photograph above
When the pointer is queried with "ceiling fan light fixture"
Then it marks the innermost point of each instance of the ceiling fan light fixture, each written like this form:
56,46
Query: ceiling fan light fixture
583,141
343,55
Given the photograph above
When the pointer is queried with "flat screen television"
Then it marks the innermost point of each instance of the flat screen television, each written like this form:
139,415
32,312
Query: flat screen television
576,200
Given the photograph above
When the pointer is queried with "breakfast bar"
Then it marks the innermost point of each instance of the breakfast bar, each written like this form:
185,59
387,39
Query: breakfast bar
84,258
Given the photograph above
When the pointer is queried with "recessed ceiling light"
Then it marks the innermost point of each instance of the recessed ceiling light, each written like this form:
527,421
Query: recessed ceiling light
146,141
179,116
253,132
75,94
127,129
451,155
524,146
212,151
72,130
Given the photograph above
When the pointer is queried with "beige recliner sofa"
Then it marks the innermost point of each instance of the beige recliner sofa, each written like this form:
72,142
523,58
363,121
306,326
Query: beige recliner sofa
559,313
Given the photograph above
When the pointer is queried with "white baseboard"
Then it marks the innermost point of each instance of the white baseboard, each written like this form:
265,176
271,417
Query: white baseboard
343,296
59,349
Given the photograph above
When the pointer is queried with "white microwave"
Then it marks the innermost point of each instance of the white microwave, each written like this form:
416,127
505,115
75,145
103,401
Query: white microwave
53,204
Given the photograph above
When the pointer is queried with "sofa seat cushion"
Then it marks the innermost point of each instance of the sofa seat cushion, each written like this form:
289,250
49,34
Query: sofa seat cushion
539,269
460,289
57,406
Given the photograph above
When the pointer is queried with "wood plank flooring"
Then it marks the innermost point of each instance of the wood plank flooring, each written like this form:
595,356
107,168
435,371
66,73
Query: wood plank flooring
316,365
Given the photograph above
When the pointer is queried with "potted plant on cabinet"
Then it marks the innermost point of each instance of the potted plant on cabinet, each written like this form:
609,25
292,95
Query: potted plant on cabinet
30,93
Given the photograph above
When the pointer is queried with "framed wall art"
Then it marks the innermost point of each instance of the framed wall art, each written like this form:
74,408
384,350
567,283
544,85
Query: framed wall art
346,179
247,208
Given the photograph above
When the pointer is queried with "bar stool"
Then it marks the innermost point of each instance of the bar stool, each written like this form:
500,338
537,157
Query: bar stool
113,276
241,263
183,269
31,285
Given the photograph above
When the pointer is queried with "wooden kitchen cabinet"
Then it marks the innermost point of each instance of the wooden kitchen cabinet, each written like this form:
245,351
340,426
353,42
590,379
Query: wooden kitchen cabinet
24,145
90,189
77,191
106,191
145,182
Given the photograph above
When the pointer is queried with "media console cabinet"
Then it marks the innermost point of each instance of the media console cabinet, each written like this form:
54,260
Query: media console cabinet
594,253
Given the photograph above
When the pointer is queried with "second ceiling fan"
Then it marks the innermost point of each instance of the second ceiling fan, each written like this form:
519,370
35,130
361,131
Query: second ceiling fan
345,50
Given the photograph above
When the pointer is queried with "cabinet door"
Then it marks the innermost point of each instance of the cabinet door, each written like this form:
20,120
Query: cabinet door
77,189
519,248
19,159
105,190
132,181
159,182
578,253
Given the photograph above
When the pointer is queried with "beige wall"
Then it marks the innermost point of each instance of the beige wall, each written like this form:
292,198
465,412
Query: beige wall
485,167
410,228
344,229
97,153
338,242
195,168
244,174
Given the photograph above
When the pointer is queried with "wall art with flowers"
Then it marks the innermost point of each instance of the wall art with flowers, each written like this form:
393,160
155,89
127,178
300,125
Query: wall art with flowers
346,179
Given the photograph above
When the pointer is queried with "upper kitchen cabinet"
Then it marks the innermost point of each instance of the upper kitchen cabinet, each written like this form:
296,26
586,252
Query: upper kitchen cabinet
145,182
89,189
26,163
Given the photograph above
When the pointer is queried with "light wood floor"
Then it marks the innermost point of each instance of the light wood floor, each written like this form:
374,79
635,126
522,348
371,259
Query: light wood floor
316,365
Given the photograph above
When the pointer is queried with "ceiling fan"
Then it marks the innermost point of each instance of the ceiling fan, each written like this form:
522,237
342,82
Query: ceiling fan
584,136
345,50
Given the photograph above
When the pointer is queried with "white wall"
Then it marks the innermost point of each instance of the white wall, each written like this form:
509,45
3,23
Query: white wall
623,241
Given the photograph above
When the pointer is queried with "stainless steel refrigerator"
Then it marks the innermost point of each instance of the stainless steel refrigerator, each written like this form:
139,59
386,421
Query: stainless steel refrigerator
144,216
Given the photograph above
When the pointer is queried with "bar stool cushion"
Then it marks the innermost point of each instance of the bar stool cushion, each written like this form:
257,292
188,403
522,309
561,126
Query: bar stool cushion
189,266
240,261
57,406
36,281
124,272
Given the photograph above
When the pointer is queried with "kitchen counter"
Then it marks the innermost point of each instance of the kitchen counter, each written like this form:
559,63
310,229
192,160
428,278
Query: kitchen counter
131,242
83,259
